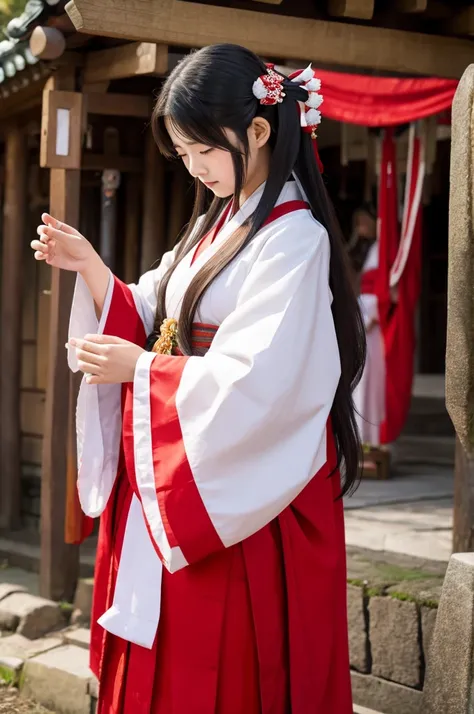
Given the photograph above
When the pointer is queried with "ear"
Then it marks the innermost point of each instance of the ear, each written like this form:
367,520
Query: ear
260,128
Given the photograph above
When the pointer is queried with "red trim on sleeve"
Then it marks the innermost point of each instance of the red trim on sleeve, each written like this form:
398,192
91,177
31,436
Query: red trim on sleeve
123,319
186,521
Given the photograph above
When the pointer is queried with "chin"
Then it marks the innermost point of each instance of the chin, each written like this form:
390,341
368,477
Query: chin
221,191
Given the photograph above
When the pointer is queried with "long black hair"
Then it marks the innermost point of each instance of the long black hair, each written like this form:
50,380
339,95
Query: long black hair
208,92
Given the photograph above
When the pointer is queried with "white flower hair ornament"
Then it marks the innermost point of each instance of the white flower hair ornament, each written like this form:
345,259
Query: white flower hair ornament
310,116
269,90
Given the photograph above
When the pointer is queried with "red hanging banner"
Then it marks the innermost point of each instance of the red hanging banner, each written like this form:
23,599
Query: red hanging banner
383,101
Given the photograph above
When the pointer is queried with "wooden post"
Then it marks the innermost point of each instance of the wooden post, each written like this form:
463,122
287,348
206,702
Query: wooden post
460,347
59,564
132,227
14,212
177,216
153,230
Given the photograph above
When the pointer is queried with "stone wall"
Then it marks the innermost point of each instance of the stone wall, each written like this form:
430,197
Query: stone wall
392,608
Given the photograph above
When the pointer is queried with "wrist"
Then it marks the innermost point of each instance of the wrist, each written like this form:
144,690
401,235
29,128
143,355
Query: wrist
92,264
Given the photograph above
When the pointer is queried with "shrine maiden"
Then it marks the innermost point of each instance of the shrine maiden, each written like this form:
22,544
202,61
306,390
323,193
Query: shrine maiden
216,432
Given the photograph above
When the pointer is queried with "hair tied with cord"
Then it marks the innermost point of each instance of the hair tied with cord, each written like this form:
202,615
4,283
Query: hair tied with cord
269,89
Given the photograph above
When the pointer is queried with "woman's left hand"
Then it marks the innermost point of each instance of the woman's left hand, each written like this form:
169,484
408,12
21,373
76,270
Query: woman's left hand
106,359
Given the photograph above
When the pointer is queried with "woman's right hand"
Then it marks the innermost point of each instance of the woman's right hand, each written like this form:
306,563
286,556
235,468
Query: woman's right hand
62,246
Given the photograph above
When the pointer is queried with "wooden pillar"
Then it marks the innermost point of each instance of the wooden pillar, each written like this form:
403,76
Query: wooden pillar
132,227
153,228
14,212
59,564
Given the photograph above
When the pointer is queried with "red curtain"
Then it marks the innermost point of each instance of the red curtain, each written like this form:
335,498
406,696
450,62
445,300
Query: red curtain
383,101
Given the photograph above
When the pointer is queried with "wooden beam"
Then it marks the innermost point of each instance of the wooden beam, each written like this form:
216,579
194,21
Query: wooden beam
195,25
59,565
130,60
14,212
411,5
360,9
270,2
119,105
47,43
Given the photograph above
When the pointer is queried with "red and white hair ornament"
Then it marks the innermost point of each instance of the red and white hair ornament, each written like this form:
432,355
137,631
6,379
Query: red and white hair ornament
310,114
268,88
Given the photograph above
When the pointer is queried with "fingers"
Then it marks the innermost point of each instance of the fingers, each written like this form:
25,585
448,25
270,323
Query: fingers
43,251
88,346
89,367
59,225
104,339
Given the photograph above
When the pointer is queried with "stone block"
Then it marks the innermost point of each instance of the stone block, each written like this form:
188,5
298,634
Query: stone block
358,634
94,687
448,681
83,598
7,589
19,646
59,680
8,621
386,697
10,669
36,615
428,622
81,637
394,640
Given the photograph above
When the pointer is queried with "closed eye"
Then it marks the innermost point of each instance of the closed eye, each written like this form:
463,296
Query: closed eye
207,151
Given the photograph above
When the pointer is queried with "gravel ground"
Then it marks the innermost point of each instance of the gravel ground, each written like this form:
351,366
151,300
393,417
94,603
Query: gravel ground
12,703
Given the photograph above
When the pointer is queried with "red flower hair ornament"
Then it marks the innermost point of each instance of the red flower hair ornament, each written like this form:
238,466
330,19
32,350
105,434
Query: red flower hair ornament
270,90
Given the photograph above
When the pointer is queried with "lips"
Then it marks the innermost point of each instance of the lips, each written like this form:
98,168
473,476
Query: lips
209,184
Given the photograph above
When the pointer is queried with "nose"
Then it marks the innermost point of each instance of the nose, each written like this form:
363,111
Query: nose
195,167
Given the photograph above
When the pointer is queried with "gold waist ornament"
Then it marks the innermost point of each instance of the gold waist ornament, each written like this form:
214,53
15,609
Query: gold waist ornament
168,339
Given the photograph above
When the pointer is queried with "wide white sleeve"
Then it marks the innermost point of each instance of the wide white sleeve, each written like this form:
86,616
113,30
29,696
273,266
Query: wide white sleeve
128,312
224,443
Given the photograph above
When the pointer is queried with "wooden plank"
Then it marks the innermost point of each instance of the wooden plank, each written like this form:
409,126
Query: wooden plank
59,564
62,114
14,214
191,24
98,162
119,105
360,9
32,405
153,226
31,449
28,365
463,22
130,60
411,5
270,2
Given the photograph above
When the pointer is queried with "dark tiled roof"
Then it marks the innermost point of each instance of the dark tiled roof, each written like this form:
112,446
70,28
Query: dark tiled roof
15,54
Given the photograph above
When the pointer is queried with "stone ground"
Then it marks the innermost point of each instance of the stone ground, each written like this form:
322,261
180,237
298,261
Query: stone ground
410,513
12,703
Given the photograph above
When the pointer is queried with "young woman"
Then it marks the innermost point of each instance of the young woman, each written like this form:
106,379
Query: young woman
213,456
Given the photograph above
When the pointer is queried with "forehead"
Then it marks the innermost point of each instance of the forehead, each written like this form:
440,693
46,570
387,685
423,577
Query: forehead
177,136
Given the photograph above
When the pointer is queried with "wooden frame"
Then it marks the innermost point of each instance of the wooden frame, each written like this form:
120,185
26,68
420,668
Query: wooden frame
191,24
130,60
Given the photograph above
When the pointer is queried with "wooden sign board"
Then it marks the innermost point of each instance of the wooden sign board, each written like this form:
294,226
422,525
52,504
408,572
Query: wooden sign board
61,130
